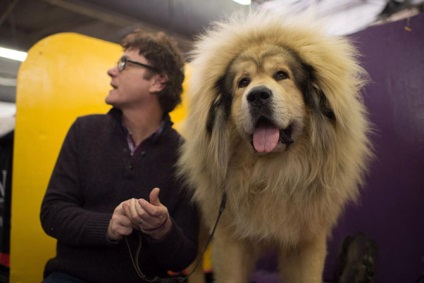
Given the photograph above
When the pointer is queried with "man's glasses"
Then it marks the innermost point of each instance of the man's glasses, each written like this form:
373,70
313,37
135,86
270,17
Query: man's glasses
122,63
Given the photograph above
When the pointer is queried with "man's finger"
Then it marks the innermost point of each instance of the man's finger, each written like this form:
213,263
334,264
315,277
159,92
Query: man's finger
154,197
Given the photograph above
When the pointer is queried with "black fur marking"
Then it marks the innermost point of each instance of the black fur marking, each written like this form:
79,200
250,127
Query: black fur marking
307,82
325,106
223,100
303,78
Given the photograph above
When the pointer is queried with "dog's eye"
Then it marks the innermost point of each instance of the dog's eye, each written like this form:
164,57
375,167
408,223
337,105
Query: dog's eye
280,75
244,82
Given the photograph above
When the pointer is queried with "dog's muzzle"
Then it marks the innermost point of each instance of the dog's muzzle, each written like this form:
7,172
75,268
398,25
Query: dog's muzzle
266,135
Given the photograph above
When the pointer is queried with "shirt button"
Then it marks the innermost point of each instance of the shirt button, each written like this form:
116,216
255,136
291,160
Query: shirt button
131,167
143,153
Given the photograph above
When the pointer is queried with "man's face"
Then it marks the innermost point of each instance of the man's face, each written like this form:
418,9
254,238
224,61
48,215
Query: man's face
132,85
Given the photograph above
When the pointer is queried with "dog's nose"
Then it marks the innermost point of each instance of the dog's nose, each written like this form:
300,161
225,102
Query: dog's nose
259,96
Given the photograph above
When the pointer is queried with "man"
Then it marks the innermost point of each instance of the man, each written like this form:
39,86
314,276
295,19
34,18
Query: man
113,189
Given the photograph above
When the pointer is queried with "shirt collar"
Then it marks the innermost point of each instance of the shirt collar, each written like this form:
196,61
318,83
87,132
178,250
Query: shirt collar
166,122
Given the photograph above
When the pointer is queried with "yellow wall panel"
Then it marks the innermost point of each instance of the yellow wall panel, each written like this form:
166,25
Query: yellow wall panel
180,112
64,76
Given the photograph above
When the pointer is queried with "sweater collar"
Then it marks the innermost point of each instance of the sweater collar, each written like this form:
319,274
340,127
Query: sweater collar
166,123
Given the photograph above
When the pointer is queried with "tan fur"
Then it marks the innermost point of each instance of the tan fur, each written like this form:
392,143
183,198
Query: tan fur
287,200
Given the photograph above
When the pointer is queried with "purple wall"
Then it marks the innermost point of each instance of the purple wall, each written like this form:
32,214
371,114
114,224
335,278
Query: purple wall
391,209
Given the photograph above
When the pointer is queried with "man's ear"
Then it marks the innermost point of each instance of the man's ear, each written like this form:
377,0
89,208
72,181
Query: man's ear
158,82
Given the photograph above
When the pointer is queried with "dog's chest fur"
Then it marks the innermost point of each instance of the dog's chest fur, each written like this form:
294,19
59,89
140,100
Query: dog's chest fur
264,202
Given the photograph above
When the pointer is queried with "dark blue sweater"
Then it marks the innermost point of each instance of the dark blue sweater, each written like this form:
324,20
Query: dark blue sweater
94,173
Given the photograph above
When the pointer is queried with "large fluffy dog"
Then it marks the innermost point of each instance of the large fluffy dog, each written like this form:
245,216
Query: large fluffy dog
276,121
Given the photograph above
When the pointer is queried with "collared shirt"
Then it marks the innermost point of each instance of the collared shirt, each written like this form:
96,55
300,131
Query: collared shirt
131,144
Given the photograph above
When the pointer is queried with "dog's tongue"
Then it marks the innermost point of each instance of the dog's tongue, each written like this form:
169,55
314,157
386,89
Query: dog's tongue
265,138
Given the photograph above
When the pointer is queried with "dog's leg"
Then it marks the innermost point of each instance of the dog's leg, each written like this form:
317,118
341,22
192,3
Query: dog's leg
232,260
305,263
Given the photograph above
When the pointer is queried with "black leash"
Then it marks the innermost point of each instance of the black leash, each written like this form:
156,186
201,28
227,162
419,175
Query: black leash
180,278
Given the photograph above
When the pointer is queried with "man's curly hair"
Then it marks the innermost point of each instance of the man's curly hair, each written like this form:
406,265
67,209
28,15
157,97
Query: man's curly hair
162,52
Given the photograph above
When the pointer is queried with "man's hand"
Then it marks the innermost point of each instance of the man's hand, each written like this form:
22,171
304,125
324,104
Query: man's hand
119,225
151,218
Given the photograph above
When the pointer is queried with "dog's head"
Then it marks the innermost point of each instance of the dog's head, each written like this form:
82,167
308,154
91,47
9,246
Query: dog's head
267,92
266,87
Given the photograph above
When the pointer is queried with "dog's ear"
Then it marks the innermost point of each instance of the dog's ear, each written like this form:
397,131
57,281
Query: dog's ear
323,103
217,126
313,94
221,104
